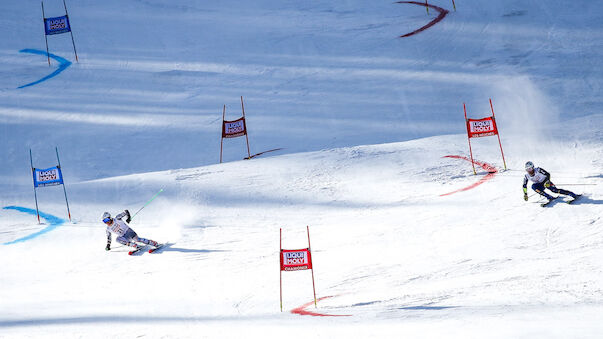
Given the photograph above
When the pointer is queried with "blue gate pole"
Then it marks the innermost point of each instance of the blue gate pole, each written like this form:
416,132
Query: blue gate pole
63,179
45,36
70,31
33,172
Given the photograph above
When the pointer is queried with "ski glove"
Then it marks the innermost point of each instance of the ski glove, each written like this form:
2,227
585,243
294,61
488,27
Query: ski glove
128,218
108,248
548,184
525,194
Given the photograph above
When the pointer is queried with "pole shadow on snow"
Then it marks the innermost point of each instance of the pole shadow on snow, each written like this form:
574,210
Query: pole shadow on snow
427,308
115,319
170,248
599,176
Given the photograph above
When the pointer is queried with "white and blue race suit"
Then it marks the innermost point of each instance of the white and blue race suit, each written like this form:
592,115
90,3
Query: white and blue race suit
125,235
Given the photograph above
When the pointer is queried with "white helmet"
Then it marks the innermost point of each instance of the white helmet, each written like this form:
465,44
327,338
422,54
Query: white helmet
529,166
106,217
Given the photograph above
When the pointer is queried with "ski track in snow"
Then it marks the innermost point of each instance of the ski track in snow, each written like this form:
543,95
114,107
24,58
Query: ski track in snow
301,310
442,15
489,168
63,65
53,221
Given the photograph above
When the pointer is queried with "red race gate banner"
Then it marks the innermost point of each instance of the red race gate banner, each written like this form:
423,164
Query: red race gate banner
296,260
484,127
481,127
233,129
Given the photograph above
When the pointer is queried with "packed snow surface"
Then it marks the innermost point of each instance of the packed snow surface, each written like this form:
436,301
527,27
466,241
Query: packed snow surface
364,120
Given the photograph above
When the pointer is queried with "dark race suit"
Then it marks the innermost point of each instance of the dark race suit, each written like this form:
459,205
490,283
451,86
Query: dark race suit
541,177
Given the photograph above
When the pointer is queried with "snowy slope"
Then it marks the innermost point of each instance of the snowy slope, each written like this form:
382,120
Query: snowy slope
152,72
365,120
394,254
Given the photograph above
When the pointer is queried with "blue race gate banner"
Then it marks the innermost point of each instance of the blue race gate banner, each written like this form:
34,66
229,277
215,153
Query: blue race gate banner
51,176
47,177
57,25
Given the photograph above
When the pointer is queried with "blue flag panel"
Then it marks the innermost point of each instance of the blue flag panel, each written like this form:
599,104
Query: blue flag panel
47,177
57,25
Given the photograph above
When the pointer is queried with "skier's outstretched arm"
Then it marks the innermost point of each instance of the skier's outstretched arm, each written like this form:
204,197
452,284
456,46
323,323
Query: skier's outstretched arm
126,214
525,188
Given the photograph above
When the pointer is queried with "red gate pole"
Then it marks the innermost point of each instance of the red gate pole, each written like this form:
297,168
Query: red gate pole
426,7
280,262
222,135
245,122
498,135
312,270
469,139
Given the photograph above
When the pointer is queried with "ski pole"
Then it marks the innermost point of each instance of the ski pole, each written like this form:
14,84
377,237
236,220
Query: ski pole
148,202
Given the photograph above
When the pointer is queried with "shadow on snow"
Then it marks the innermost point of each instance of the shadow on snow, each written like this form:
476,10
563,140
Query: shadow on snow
113,319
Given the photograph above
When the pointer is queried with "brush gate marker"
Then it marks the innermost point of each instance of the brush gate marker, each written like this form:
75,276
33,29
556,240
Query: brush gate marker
48,177
57,25
295,260
477,128
234,129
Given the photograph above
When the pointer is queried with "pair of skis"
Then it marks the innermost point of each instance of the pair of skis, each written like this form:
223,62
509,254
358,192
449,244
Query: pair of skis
568,202
143,247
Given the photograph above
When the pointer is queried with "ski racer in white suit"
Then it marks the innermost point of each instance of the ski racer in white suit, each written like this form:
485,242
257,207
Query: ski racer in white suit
125,235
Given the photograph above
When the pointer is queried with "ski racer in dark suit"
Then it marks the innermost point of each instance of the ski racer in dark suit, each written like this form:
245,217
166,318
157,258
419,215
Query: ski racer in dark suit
541,180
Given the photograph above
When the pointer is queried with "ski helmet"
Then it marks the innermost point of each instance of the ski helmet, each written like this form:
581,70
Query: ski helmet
529,166
106,217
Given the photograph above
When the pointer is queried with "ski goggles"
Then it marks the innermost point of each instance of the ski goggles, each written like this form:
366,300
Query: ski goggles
106,220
